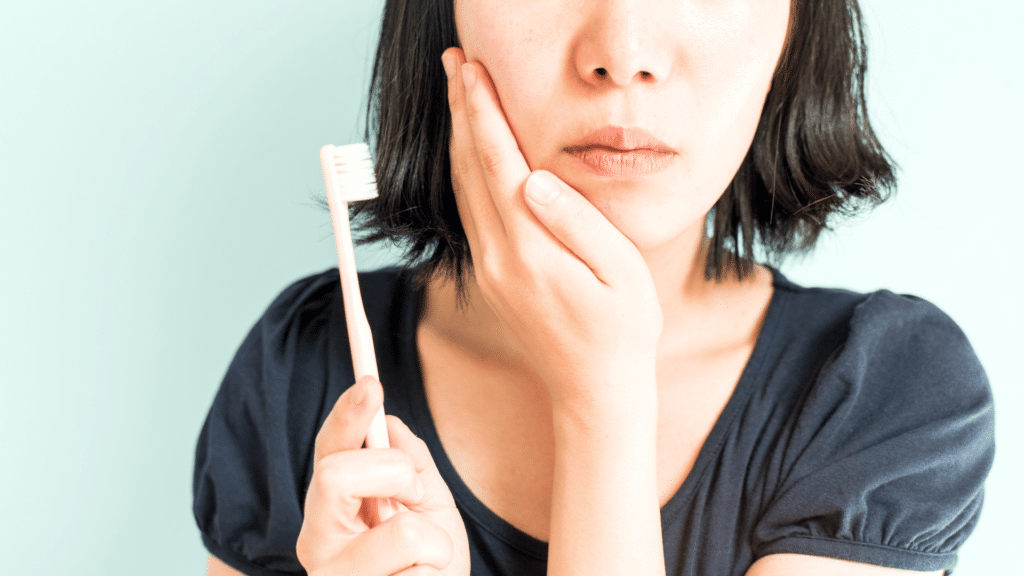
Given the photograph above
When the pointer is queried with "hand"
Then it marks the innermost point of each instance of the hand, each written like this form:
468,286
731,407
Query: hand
426,536
575,291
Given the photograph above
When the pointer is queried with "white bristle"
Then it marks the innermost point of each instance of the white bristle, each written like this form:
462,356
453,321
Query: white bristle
353,172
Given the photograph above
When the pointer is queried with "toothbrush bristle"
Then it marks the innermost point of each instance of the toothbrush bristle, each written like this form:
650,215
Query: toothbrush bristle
353,172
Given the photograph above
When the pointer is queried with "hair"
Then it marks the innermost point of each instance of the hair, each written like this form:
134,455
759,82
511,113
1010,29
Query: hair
814,153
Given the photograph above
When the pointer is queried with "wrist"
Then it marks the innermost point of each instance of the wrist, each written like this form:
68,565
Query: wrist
627,405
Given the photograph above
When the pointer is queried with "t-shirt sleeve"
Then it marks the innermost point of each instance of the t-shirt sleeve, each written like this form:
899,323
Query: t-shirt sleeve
889,448
253,450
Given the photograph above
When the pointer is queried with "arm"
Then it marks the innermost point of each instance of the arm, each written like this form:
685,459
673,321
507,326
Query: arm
789,564
564,262
605,513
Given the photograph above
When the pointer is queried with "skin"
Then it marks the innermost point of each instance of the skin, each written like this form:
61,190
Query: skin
584,295
693,73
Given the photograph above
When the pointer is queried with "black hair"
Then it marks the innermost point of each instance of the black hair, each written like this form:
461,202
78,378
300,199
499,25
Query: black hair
813,153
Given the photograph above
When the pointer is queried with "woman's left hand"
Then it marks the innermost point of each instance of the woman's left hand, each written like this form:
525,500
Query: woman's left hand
575,291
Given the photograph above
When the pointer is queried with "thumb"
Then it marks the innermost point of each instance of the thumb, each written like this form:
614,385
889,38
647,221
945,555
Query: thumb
436,494
581,227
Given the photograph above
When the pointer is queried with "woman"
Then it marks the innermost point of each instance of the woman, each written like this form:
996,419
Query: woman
604,380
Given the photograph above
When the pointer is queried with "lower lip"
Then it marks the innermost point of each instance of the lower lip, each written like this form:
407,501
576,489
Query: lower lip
623,165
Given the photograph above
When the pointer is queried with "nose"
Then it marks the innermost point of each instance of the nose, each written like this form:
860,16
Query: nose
621,43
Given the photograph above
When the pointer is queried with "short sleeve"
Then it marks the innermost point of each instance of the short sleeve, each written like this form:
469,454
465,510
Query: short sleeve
890,447
253,451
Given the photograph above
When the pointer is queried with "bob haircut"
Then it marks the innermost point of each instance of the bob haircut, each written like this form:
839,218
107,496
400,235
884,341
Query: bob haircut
813,153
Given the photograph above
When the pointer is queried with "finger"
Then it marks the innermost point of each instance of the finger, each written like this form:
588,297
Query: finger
405,540
336,496
343,480
347,423
582,229
502,162
436,493
484,228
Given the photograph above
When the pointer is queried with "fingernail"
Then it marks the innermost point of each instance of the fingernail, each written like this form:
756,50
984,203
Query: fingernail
541,188
359,393
446,61
468,75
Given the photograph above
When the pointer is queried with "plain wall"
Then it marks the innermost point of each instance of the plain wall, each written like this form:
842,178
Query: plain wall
156,167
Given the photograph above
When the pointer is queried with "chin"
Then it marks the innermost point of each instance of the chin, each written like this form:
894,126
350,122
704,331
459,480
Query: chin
650,214
651,229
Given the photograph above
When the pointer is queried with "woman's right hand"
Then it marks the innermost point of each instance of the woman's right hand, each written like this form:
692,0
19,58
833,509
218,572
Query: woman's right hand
339,534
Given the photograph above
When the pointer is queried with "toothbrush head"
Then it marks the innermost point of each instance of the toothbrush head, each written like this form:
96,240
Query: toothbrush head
348,172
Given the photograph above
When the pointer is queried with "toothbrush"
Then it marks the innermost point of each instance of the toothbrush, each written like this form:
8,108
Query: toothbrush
348,176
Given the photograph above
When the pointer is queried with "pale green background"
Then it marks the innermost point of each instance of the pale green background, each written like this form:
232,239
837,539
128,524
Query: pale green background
156,162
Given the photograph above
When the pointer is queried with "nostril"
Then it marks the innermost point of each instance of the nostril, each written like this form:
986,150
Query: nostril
601,72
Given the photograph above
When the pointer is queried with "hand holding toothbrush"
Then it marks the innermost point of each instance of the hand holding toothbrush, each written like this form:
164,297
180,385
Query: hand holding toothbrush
383,510
575,291
340,534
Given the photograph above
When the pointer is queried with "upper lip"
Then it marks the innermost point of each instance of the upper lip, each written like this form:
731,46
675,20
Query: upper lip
622,139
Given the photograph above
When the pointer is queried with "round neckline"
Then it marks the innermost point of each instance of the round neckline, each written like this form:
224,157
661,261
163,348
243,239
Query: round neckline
485,518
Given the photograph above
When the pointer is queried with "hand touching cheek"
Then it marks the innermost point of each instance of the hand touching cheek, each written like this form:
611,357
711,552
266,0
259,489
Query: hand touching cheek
574,290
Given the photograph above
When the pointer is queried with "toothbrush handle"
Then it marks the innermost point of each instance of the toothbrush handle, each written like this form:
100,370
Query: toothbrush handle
360,338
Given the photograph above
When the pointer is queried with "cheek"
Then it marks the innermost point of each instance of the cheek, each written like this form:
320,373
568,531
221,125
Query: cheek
730,71
726,76
523,62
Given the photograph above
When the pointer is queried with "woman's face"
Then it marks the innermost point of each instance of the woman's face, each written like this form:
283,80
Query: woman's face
692,73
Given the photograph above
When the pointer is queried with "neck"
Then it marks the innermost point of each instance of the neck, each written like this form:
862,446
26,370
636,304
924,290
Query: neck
677,269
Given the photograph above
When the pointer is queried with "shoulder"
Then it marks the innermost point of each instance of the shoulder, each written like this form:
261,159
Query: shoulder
879,355
880,310
879,336
311,310
910,322
320,292
890,436
902,348
299,347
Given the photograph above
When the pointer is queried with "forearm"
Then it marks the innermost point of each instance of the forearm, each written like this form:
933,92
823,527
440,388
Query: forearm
605,513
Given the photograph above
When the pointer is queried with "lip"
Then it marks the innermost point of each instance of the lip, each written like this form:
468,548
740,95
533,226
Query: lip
622,139
623,153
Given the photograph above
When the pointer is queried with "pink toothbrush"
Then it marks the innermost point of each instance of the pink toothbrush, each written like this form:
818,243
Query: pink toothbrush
348,175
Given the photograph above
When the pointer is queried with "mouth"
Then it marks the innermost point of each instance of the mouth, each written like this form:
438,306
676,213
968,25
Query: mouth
609,162
617,138
622,153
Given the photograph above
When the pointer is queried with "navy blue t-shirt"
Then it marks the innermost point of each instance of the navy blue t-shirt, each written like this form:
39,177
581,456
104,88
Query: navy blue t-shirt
861,429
